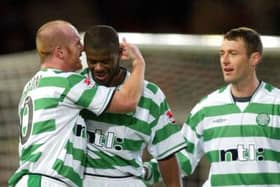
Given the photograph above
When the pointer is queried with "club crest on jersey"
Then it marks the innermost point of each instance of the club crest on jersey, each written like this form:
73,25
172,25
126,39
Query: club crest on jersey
263,119
170,116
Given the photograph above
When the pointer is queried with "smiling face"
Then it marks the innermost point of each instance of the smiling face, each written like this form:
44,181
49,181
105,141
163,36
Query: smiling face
236,65
101,44
104,66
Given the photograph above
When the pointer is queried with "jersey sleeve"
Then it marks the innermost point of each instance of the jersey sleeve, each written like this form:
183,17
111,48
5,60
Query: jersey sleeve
189,157
85,93
166,137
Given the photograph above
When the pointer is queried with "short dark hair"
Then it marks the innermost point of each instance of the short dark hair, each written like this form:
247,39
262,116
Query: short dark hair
250,37
102,37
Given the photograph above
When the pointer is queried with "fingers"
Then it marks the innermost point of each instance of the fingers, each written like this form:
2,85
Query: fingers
126,48
130,52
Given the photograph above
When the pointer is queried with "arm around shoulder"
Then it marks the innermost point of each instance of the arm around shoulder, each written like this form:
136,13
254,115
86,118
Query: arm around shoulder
127,98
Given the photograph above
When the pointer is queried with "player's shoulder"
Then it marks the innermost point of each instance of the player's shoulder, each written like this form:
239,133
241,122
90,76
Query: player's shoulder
153,93
268,93
217,94
217,97
61,77
270,89
153,87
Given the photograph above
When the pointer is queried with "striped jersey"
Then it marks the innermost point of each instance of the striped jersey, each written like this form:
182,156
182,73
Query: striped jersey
242,146
52,137
116,141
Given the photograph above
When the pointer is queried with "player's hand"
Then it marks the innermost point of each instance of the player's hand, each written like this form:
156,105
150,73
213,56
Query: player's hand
152,173
131,52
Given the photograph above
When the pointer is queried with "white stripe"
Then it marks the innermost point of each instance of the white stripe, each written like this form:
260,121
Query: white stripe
101,99
244,167
232,120
74,164
47,92
166,147
157,97
118,171
76,91
189,133
231,143
142,113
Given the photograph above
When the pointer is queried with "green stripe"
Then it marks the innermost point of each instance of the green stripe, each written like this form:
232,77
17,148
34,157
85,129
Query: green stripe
154,166
242,131
67,172
87,97
77,154
75,79
16,176
46,103
107,161
245,179
44,126
196,118
267,155
165,132
184,163
150,105
53,81
34,181
132,145
152,87
29,155
269,87
263,108
190,147
119,119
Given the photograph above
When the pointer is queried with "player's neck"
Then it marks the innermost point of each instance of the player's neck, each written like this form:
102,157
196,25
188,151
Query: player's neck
56,64
119,77
245,89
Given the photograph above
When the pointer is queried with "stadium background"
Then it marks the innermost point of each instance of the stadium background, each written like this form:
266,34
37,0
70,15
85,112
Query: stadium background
184,72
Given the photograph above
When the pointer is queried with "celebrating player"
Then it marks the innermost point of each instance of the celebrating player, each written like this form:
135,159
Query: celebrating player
52,138
237,126
116,141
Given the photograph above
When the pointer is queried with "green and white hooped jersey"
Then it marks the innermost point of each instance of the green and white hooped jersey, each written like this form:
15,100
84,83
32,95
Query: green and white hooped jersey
52,137
116,141
243,147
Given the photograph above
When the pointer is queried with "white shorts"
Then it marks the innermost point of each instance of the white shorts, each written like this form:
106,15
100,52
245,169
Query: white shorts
95,181
39,181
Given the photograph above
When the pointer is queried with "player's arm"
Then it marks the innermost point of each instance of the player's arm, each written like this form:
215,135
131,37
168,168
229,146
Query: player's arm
170,171
126,98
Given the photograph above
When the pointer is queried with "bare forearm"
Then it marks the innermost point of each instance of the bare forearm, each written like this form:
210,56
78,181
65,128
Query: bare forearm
127,98
133,86
170,172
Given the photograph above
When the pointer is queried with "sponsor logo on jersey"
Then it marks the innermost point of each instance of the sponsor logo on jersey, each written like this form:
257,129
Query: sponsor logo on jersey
242,153
219,120
263,119
108,140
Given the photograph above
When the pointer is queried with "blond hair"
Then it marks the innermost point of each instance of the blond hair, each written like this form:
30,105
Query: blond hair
51,35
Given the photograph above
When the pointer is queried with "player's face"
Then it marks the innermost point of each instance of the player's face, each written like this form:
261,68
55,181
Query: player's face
235,63
103,65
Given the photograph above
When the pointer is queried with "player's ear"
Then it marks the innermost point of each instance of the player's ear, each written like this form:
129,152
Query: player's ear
255,58
58,52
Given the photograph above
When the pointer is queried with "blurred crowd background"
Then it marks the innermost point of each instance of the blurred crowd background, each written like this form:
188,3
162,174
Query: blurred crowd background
20,18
